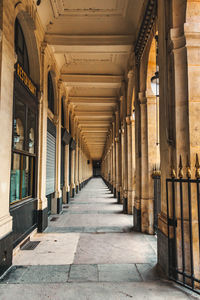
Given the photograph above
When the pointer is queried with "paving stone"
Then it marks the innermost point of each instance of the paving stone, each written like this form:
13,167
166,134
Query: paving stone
95,291
83,273
111,248
14,274
149,272
51,250
45,274
118,272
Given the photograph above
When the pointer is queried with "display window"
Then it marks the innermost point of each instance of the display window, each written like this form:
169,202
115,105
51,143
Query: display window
22,182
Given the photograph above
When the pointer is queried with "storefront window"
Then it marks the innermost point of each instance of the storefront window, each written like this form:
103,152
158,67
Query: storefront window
23,158
15,179
31,131
24,130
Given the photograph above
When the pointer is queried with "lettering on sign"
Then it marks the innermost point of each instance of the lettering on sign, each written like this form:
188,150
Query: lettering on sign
26,80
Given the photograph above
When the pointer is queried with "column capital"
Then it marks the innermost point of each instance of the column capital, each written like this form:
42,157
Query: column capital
59,84
128,120
132,119
43,47
130,74
178,38
142,97
117,112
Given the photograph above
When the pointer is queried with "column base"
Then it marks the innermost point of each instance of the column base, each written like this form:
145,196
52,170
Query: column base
163,253
6,250
73,192
125,205
115,193
77,189
137,219
42,219
59,205
68,196
80,187
118,197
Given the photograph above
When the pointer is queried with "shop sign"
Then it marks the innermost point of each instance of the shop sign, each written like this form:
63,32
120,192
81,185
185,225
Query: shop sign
26,80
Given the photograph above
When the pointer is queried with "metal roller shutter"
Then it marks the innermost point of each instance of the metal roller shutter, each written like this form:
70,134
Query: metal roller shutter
51,163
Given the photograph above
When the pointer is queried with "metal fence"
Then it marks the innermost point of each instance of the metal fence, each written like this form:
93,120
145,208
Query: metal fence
183,214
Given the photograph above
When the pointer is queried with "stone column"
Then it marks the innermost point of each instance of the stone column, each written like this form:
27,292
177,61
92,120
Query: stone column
146,207
111,164
57,201
125,169
42,145
183,142
73,161
66,188
77,156
114,158
80,163
117,160
121,152
122,163
129,169
133,181
7,61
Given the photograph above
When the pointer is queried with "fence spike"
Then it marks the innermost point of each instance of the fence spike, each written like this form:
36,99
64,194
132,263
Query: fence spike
173,173
188,168
197,166
180,173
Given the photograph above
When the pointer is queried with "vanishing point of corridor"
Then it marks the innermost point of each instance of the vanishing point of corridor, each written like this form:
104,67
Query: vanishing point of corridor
90,251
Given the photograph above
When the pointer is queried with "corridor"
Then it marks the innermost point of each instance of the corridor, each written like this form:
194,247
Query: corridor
90,251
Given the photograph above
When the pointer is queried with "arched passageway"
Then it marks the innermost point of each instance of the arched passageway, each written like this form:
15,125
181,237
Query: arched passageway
95,161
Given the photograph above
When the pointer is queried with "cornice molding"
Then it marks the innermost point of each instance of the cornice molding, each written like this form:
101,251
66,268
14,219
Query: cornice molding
145,29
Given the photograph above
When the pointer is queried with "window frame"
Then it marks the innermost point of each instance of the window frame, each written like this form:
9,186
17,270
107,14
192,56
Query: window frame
50,93
21,52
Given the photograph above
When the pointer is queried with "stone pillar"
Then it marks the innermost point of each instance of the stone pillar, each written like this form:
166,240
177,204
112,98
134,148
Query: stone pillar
183,142
80,163
114,158
6,103
66,187
111,163
117,160
72,188
122,163
76,162
121,153
57,208
42,145
129,169
133,181
146,206
125,169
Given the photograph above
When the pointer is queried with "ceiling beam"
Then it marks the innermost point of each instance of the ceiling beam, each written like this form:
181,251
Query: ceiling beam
94,113
85,78
94,129
82,40
101,101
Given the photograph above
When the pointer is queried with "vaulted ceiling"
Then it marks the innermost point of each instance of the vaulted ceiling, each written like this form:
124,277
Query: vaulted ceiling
91,41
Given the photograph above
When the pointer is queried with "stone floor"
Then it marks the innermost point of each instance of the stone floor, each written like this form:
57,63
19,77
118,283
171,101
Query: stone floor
90,252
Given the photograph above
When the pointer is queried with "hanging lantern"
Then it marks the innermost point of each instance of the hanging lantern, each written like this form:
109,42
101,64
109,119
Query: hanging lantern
155,84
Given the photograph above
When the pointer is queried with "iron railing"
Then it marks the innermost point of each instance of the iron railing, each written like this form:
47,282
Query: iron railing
183,214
